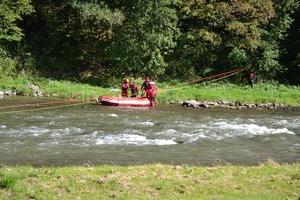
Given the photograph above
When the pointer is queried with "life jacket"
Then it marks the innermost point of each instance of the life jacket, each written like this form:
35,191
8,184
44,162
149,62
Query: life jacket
134,90
152,91
125,86
147,85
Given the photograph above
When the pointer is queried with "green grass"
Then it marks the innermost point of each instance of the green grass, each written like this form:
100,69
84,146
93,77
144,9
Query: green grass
153,181
260,93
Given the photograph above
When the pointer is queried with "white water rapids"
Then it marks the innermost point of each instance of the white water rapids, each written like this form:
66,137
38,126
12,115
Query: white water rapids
74,135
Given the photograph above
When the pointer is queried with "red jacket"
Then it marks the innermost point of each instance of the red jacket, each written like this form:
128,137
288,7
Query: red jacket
152,91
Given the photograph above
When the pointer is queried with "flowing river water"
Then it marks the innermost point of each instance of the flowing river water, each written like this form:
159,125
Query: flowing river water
42,131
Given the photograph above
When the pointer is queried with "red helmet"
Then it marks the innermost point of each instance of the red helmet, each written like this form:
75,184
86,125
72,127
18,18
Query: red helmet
147,78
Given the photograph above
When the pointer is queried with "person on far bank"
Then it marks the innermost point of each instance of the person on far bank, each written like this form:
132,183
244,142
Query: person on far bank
145,86
251,77
125,86
134,90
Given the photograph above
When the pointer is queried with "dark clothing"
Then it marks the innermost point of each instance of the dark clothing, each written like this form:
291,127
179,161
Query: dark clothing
145,87
251,77
134,91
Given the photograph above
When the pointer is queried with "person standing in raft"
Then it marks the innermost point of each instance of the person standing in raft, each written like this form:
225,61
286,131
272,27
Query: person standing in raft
145,86
125,86
251,77
134,90
151,94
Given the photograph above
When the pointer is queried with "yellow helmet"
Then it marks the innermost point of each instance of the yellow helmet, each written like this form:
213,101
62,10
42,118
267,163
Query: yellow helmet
126,80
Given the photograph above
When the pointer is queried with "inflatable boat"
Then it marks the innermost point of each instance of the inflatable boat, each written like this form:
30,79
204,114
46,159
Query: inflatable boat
124,101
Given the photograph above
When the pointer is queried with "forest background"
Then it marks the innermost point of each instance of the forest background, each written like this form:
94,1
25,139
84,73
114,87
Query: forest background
99,42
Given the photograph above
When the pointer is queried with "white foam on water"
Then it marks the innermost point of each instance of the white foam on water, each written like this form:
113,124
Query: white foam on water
49,144
143,123
130,139
72,130
56,135
34,130
234,129
220,130
169,132
113,115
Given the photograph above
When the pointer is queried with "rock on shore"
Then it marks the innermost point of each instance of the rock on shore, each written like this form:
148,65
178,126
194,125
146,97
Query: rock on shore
225,104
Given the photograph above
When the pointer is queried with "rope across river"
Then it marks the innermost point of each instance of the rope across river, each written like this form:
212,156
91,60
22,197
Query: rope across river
211,78
76,103
37,108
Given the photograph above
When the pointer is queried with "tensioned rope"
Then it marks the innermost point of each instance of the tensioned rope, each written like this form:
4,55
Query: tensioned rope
36,104
221,76
44,108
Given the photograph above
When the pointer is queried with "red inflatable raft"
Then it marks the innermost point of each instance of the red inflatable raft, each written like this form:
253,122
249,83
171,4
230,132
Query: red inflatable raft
124,101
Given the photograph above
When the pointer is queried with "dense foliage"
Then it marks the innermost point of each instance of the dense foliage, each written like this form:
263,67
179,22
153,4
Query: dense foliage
163,39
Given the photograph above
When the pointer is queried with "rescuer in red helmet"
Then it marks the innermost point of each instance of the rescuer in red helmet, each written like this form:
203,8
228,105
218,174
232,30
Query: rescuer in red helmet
125,86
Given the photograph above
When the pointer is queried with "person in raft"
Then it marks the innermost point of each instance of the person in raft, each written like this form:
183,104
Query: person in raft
125,86
134,90
151,94
145,86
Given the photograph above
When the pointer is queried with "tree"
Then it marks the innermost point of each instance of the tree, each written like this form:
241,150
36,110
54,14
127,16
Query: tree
290,45
11,13
106,37
211,31
146,36
268,54
70,36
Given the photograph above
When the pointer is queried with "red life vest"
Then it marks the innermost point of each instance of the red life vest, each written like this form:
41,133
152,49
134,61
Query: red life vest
152,91
125,86
134,90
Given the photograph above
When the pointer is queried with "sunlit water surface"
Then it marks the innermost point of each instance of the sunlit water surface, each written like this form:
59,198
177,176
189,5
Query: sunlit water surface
70,133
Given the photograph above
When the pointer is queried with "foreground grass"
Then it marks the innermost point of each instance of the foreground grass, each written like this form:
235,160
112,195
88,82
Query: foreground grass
153,181
260,93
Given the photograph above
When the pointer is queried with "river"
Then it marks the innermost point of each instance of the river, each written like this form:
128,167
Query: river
49,132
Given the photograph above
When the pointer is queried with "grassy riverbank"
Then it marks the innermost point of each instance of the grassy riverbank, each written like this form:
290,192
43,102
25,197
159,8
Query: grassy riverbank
260,93
153,181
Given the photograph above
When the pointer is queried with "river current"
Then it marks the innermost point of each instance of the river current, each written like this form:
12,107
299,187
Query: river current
41,131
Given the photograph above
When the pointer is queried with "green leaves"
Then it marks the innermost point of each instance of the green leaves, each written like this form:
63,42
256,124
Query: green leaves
148,35
10,13
158,38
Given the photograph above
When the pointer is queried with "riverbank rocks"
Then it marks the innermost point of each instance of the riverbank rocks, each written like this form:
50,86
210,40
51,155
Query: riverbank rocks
35,88
236,105
194,104
35,92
